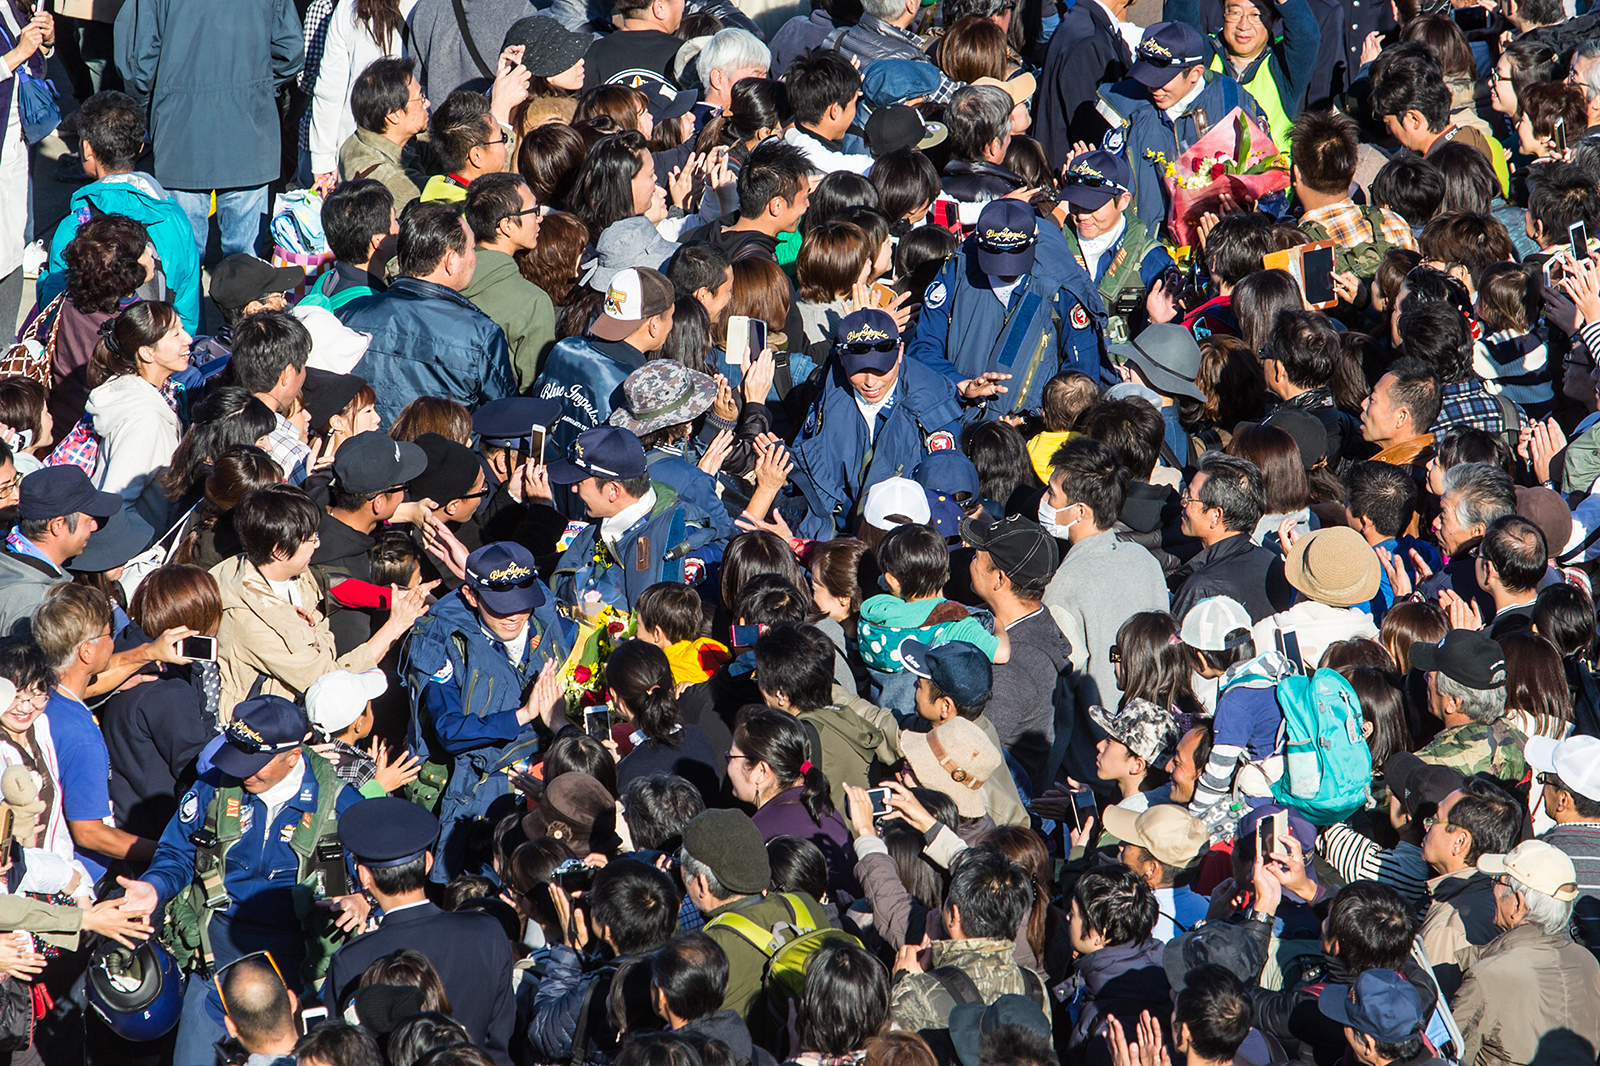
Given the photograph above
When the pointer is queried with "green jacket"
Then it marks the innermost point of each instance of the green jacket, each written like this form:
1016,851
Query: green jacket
519,307
849,743
746,963
1493,747
371,155
919,1001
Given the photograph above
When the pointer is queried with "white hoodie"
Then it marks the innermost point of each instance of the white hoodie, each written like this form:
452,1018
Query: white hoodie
138,434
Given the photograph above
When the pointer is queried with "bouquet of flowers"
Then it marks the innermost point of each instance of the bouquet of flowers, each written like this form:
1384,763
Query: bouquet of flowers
601,627
1235,159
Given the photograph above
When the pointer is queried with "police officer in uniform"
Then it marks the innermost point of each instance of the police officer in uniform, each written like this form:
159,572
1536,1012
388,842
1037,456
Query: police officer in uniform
877,415
1000,318
512,434
1109,240
393,840
252,862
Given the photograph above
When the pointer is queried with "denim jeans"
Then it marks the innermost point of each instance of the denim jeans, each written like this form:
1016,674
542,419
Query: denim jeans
241,215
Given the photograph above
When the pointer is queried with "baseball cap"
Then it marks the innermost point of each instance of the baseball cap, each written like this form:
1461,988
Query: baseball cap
1094,179
1381,1003
1542,867
664,101
1420,786
1005,236
1575,760
603,451
241,279
893,81
949,472
958,669
867,340
663,393
1468,657
1310,435
1144,728
119,539
1167,50
338,697
58,491
549,48
955,758
262,728
629,242
898,126
506,422
373,462
1167,831
635,294
504,578
1208,624
1018,547
1020,87
452,469
895,501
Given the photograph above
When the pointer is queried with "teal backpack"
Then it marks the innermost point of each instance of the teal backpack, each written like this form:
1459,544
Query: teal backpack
1327,766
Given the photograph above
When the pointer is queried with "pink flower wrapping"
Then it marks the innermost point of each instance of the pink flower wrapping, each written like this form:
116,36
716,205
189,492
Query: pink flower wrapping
1216,156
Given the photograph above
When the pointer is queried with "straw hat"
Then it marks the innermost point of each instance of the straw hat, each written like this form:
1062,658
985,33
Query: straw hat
1335,566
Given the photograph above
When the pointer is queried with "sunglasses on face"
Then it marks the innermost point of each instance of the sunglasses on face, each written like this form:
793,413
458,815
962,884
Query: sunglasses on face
1114,654
863,347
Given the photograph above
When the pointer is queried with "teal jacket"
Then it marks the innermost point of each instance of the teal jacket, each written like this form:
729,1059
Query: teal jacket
141,198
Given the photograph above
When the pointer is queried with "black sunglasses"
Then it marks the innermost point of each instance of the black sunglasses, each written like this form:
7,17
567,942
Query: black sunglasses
508,585
863,347
1090,181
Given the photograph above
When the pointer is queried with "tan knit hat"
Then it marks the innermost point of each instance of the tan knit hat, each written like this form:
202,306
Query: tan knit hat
1335,566
956,759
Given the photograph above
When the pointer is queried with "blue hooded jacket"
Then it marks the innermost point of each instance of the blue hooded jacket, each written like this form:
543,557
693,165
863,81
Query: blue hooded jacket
140,197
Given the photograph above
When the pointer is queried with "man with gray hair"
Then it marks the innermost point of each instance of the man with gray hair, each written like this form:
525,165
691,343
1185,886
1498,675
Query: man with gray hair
1584,72
1533,995
728,58
1475,495
979,120
884,32
1220,509
1467,692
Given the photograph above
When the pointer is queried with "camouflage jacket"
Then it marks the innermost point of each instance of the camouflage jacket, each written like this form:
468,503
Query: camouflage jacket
920,1001
1478,747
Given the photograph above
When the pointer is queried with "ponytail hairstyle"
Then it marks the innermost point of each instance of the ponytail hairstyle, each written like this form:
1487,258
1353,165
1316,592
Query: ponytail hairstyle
140,326
779,740
638,674
754,104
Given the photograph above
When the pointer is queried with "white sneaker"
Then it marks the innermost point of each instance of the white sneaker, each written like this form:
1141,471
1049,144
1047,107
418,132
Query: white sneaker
34,257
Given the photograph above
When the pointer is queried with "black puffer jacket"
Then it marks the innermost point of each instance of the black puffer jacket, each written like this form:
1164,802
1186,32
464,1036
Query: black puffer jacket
977,183
728,1027
872,38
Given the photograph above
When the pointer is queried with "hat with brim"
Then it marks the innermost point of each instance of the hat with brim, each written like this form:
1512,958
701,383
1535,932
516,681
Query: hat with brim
634,293
1538,864
119,539
263,727
1335,566
241,279
1166,51
504,578
1005,238
1168,357
956,759
663,393
576,810
1020,88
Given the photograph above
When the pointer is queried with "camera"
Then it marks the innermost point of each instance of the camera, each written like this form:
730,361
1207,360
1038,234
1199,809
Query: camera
574,875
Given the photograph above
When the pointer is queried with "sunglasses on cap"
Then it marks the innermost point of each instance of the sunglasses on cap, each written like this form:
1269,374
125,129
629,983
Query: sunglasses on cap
1162,62
506,584
254,745
863,347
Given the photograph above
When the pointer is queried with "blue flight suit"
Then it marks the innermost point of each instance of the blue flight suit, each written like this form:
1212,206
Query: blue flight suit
466,694
1147,132
1053,321
260,875
658,547
694,486
836,462
585,376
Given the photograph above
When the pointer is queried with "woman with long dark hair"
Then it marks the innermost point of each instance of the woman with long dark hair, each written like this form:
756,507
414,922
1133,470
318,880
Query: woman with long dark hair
1564,615
642,694
1150,664
845,1005
208,536
138,429
617,182
769,766
758,109
1538,701
358,33
229,417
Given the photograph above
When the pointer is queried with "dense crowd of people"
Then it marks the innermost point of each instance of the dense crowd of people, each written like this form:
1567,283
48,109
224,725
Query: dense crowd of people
696,533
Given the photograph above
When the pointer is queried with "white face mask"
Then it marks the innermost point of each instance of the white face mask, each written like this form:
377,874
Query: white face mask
1047,519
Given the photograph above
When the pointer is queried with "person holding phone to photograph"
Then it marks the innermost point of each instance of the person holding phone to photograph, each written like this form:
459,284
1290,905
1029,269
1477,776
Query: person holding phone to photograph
1554,115
514,448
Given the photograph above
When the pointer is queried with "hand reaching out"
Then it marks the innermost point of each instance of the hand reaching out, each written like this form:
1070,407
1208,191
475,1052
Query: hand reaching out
544,697
758,375
1399,578
1161,305
1544,441
680,183
1582,284
859,804
18,959
717,453
724,406
407,605
444,546
392,772
983,386
774,464
1371,47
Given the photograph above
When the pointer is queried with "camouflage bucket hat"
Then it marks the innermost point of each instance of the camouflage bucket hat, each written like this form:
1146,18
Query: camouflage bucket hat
1145,729
663,393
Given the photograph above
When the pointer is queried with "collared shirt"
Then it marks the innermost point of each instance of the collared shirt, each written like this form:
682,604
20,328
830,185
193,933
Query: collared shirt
1347,226
1095,249
1181,108
1003,289
285,448
275,797
352,765
611,529
870,411
514,648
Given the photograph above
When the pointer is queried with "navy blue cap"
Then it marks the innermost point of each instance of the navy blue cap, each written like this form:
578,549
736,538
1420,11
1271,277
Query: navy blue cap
971,1022
375,462
387,831
961,670
1005,236
504,578
506,423
59,491
944,514
604,451
894,81
263,727
118,539
1167,50
1381,1004
949,472
1094,179
867,340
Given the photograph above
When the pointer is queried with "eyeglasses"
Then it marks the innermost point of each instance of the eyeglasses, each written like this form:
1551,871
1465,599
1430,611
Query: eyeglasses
480,494
487,144
1114,654
1547,780
216,978
1429,823
1241,14
534,210
729,756
37,700
863,347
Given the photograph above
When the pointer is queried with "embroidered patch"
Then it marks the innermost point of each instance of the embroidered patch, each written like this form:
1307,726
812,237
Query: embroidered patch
190,808
941,441
285,832
445,673
935,295
693,570
1079,317
1113,140
247,818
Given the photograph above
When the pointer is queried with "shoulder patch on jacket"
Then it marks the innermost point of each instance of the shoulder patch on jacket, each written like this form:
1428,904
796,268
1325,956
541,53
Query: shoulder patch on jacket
934,297
189,808
444,673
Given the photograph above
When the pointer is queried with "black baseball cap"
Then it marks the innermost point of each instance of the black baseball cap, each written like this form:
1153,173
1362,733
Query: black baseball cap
374,462
59,491
262,728
1468,657
239,279
1419,786
452,470
1018,547
898,126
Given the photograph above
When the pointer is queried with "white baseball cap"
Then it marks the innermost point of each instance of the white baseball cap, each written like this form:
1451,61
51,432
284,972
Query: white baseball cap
895,501
1575,760
1208,623
336,699
1541,866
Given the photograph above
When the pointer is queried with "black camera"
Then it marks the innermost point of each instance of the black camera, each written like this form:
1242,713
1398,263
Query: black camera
574,875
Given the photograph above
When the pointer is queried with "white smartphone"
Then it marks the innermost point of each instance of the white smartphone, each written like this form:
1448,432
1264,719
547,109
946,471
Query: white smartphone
536,435
597,723
203,648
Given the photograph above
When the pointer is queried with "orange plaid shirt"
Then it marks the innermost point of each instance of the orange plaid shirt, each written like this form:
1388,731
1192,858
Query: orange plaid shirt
1347,226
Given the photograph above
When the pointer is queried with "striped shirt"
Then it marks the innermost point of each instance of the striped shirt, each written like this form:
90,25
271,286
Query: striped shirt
1358,858
1517,365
